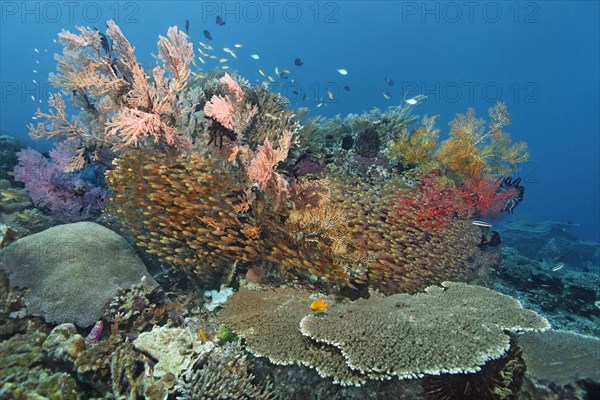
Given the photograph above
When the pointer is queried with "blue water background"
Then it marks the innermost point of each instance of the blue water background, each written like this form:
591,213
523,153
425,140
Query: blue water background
541,58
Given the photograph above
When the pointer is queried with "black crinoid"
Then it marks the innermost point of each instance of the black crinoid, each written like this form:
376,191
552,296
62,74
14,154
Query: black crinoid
499,379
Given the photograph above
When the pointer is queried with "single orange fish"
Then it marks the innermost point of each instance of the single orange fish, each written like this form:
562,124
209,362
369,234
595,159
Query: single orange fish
318,305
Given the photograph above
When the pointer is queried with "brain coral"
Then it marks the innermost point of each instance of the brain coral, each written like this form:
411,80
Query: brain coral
72,271
451,329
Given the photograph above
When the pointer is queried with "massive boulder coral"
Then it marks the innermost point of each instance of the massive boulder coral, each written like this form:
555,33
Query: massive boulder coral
456,328
72,271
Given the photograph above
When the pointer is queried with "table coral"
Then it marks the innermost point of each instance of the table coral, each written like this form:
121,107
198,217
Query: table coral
451,329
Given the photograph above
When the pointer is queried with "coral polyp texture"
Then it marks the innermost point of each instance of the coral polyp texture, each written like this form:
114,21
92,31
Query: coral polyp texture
455,328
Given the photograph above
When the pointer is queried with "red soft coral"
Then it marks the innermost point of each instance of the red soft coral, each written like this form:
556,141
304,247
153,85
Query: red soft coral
484,196
432,207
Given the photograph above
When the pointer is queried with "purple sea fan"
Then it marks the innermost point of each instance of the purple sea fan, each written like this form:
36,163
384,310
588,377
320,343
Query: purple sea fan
67,196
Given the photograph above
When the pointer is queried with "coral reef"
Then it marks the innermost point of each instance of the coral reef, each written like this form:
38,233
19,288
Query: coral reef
128,374
193,215
353,348
221,187
472,150
269,322
552,243
9,147
105,79
12,200
57,263
569,299
31,221
295,382
560,365
472,318
182,210
175,349
22,375
9,234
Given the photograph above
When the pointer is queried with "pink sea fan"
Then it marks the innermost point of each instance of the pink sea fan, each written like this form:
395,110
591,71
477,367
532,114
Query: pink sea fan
134,125
262,167
232,87
222,109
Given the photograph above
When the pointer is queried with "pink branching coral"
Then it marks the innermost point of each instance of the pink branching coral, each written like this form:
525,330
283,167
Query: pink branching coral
134,125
